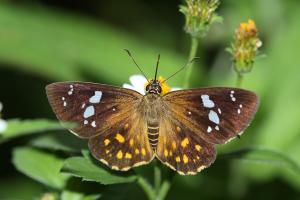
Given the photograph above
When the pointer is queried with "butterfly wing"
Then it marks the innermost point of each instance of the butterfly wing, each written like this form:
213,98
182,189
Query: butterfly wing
182,149
214,114
93,107
123,146
108,116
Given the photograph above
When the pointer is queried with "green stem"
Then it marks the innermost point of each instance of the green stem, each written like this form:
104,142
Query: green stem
239,80
147,188
164,189
157,178
192,54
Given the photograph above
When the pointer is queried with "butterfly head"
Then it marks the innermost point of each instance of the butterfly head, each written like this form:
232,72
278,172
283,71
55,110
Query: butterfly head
154,87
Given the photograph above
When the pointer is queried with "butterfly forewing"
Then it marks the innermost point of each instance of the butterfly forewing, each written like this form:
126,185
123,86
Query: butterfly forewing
93,107
214,114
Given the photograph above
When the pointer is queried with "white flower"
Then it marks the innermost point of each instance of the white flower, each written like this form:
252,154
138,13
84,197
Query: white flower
139,82
3,123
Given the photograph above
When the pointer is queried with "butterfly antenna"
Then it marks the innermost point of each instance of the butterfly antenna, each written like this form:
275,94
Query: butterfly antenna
128,52
186,65
155,76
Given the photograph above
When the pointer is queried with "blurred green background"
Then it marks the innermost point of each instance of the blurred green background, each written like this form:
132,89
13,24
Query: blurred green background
43,41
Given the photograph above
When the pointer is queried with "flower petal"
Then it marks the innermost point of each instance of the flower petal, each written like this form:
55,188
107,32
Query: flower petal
128,86
3,125
138,82
176,88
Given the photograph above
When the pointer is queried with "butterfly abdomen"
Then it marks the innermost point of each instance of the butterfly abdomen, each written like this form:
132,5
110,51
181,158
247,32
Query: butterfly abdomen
153,130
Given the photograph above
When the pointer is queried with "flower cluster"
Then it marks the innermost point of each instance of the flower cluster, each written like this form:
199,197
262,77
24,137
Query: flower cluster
3,124
139,83
244,49
199,15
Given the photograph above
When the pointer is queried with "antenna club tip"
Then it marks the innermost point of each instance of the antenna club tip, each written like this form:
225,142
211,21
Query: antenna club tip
127,51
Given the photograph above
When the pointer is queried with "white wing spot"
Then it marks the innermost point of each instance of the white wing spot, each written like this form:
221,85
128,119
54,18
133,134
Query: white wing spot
114,109
207,103
70,92
63,98
71,86
217,128
241,106
96,98
239,111
85,122
213,116
189,113
219,110
231,96
65,103
93,124
89,111
209,129
83,105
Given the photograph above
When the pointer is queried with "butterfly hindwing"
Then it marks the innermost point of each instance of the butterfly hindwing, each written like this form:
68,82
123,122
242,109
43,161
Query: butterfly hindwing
124,145
93,107
215,114
181,149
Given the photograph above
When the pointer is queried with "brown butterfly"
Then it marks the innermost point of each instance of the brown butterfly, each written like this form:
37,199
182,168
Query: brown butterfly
126,129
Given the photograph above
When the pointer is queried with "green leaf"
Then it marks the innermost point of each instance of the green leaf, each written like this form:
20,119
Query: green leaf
63,141
261,155
70,195
18,128
90,170
41,166
65,46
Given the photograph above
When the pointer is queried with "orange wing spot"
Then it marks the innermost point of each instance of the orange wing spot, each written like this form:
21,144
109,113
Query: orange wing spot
137,151
185,159
120,154
126,126
178,129
128,155
106,142
198,157
174,145
131,142
185,142
177,159
120,138
198,147
106,151
143,151
166,153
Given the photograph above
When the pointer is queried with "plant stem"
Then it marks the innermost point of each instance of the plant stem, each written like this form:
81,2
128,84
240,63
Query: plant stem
192,54
147,188
239,80
164,189
157,177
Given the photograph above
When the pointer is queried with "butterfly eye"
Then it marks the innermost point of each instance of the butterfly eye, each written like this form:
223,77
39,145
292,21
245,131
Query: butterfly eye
159,90
147,87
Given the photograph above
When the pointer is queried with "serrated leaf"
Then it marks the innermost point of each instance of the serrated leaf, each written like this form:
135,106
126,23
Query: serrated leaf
40,166
63,141
17,127
90,170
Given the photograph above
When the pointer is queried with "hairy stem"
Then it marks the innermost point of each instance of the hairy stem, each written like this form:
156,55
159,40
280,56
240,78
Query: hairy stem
192,54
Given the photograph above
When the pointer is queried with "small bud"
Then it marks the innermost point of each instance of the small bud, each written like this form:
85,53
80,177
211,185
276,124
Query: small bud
199,15
245,47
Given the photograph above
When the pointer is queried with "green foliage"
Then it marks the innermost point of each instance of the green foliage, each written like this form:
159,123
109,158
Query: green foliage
41,166
89,170
18,128
69,195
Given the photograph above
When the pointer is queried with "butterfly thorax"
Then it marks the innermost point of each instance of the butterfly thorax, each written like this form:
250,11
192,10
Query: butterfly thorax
152,108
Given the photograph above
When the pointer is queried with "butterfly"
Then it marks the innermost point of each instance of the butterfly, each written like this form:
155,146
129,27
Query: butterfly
126,129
